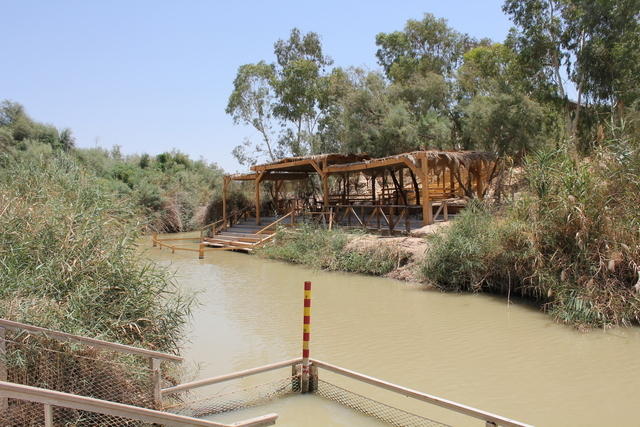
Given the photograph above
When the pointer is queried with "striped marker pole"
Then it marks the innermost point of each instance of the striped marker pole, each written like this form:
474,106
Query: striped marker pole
306,333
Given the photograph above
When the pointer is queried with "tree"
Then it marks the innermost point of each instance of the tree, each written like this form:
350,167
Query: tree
253,100
506,124
426,46
490,69
537,38
283,101
604,37
597,43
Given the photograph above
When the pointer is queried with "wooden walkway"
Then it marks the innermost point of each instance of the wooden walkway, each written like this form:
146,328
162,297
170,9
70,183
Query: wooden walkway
246,235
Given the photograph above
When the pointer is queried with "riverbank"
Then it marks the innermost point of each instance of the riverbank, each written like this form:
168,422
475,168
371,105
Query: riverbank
352,252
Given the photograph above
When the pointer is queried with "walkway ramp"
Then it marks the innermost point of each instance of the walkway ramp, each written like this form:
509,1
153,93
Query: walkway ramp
246,235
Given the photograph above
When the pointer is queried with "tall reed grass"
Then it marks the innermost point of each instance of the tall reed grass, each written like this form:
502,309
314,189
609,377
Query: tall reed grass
68,258
571,242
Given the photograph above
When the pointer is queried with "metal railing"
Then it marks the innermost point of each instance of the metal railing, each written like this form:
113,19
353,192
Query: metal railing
154,357
51,399
489,418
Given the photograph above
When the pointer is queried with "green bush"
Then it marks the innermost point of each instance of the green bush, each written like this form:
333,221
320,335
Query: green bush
68,258
328,250
572,241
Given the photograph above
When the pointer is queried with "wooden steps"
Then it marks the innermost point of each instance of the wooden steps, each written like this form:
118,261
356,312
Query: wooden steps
242,236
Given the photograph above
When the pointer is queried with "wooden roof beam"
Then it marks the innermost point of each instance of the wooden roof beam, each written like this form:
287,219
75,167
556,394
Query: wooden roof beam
371,164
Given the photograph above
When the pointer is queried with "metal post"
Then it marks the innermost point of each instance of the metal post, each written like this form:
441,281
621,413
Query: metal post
306,331
48,415
4,401
156,375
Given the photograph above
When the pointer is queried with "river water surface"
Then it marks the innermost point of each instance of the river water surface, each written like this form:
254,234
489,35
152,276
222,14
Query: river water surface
474,349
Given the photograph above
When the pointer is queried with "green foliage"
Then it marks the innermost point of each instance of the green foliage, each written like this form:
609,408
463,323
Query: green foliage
170,190
19,131
426,46
284,101
506,124
572,242
329,250
69,259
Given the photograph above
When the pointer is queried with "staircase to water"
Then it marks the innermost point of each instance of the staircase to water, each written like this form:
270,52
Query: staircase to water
246,235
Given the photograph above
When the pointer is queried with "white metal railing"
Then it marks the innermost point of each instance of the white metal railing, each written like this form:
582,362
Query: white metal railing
154,357
51,399
232,376
489,418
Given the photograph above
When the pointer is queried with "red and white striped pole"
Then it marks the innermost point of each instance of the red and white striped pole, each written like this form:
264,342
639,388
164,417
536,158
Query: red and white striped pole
306,334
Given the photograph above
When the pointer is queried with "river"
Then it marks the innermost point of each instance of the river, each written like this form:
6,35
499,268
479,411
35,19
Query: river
474,349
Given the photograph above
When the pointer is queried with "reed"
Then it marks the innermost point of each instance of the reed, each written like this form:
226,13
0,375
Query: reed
68,258
570,242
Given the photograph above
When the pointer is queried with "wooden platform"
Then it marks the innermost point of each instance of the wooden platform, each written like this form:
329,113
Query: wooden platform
246,235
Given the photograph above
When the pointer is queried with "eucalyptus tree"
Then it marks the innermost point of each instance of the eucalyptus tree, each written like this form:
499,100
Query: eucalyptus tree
425,46
284,100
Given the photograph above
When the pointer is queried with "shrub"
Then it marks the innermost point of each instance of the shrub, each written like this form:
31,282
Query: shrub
572,241
328,250
69,259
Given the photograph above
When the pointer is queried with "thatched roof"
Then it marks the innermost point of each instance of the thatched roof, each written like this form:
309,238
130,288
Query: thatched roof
303,163
437,160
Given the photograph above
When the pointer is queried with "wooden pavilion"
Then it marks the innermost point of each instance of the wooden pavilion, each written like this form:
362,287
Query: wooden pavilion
407,186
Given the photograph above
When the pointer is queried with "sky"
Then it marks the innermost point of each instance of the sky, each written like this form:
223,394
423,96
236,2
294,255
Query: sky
152,76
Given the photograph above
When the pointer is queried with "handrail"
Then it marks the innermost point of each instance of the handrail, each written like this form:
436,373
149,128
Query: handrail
448,404
227,377
274,223
93,342
83,403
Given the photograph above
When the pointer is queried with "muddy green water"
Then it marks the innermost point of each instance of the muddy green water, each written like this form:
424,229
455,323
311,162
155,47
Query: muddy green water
474,349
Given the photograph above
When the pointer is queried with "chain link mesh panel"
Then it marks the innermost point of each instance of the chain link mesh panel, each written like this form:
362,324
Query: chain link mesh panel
77,369
237,399
373,408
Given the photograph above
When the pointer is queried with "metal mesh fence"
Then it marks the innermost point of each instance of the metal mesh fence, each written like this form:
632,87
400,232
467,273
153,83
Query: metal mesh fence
388,414
237,399
77,369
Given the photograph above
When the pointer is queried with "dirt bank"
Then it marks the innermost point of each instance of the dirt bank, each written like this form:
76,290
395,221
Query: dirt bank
414,247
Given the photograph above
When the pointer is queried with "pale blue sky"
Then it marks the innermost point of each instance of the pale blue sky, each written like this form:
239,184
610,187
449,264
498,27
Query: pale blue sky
155,75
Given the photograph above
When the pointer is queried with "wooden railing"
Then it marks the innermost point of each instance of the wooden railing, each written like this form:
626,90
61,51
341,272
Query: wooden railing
51,399
162,243
221,225
291,215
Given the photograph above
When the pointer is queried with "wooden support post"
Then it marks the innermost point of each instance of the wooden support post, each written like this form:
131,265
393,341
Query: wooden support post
325,190
306,336
427,214
257,198
225,184
373,188
154,239
4,401
452,181
416,188
445,210
156,376
201,251
48,415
